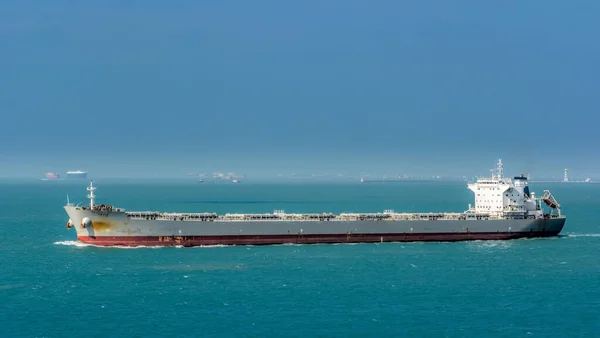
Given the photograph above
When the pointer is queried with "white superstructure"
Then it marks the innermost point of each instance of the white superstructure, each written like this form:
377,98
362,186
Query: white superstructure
77,174
500,197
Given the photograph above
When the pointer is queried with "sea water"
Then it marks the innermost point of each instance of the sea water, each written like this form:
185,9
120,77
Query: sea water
51,285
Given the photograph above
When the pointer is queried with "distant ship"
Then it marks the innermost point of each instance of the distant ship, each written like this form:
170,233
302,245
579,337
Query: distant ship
77,174
385,180
52,176
504,209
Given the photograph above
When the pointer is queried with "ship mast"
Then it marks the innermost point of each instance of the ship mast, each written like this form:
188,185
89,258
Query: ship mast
91,195
500,169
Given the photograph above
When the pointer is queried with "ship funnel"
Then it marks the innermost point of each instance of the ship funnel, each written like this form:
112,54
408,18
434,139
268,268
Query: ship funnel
521,184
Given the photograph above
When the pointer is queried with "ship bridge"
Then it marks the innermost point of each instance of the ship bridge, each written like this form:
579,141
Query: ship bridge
497,195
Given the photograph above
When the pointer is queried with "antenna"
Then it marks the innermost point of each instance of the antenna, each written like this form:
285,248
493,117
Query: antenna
500,168
91,195
68,202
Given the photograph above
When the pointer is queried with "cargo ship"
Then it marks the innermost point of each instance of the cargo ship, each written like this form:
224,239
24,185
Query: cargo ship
504,209
77,174
52,176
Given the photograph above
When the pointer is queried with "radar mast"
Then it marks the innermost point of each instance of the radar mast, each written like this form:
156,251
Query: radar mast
500,169
91,195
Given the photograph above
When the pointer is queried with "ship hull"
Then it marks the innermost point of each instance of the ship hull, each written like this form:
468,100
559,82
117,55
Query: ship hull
116,229
190,241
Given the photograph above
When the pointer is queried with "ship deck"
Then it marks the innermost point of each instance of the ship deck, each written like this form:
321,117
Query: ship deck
325,217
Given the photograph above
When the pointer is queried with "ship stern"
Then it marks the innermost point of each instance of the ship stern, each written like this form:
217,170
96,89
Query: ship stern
555,225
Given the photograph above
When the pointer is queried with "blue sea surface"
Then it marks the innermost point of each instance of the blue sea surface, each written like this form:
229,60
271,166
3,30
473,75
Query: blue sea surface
52,286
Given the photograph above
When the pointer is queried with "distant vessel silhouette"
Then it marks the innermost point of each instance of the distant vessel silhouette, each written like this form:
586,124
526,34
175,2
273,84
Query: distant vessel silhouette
77,174
52,176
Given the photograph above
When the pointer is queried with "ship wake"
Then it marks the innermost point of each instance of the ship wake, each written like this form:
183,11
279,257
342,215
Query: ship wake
489,245
79,244
581,235
72,243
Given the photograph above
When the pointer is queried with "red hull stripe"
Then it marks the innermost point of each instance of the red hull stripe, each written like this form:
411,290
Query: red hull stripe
304,239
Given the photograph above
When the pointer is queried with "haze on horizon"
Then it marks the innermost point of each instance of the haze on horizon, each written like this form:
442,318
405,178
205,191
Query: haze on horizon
160,89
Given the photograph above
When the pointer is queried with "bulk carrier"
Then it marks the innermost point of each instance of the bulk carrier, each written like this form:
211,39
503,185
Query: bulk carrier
504,209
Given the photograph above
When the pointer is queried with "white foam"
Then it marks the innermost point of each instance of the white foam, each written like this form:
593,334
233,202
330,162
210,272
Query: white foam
582,235
137,246
79,244
72,243
487,244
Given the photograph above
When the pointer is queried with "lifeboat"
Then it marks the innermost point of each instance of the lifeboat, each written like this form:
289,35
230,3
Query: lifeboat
550,203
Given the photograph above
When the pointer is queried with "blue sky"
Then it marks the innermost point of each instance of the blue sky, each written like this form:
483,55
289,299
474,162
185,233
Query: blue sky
161,88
